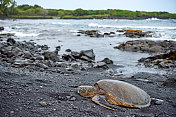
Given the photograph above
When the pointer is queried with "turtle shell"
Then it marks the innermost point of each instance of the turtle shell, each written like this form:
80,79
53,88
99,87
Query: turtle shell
125,93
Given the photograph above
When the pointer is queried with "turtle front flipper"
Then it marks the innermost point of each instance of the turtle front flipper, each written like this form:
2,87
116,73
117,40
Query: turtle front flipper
101,100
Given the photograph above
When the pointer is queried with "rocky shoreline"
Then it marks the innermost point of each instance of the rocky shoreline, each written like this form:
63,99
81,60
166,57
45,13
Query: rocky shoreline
37,82
165,50
103,17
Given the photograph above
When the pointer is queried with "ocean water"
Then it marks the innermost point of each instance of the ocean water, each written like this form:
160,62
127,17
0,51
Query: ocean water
57,32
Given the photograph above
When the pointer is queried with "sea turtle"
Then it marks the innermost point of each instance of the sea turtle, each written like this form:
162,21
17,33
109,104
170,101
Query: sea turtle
115,92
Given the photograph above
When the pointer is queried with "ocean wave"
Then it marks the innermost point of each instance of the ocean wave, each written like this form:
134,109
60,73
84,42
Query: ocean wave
61,23
20,34
133,27
160,39
153,19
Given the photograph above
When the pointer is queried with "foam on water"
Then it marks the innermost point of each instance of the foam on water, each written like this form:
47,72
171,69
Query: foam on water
20,34
152,19
128,26
61,23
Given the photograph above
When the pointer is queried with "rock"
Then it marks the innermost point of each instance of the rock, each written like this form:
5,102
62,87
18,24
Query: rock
41,65
88,53
6,35
67,57
170,82
27,55
148,46
43,104
91,33
136,33
39,57
57,49
75,65
22,62
155,49
69,68
162,65
166,60
11,41
44,47
72,98
1,28
61,64
76,55
157,101
50,56
100,65
107,61
68,50
86,58
110,71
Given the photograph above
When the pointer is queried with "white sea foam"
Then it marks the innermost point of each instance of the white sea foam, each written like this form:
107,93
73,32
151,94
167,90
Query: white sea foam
20,34
128,26
61,23
152,19
160,39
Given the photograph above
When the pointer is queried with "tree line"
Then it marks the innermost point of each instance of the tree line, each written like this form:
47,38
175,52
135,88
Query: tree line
8,8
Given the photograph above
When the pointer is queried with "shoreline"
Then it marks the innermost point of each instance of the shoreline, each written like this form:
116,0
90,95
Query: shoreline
109,17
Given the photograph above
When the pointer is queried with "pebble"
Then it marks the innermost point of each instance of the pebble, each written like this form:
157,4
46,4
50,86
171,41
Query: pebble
157,101
43,104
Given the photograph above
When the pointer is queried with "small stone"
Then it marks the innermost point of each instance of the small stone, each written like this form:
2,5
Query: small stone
110,71
44,47
74,65
72,99
12,112
69,68
68,50
43,104
107,61
157,101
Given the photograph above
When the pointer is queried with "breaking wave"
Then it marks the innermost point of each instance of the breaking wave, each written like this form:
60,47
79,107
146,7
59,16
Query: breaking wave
128,26
61,23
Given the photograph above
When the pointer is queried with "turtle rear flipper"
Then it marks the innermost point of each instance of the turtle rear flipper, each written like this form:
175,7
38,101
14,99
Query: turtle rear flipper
101,100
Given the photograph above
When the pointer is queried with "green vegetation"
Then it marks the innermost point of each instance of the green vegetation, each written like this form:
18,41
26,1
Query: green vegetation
8,8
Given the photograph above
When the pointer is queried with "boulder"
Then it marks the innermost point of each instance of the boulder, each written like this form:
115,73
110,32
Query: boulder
11,41
67,57
166,60
57,49
147,46
68,50
100,65
88,53
86,58
136,33
107,61
76,55
51,56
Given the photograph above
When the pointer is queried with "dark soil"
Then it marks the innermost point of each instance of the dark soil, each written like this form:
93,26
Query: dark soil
25,93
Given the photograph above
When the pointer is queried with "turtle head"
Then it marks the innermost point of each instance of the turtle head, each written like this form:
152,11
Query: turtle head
86,91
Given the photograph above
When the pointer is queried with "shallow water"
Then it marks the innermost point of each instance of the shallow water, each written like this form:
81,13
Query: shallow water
55,32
